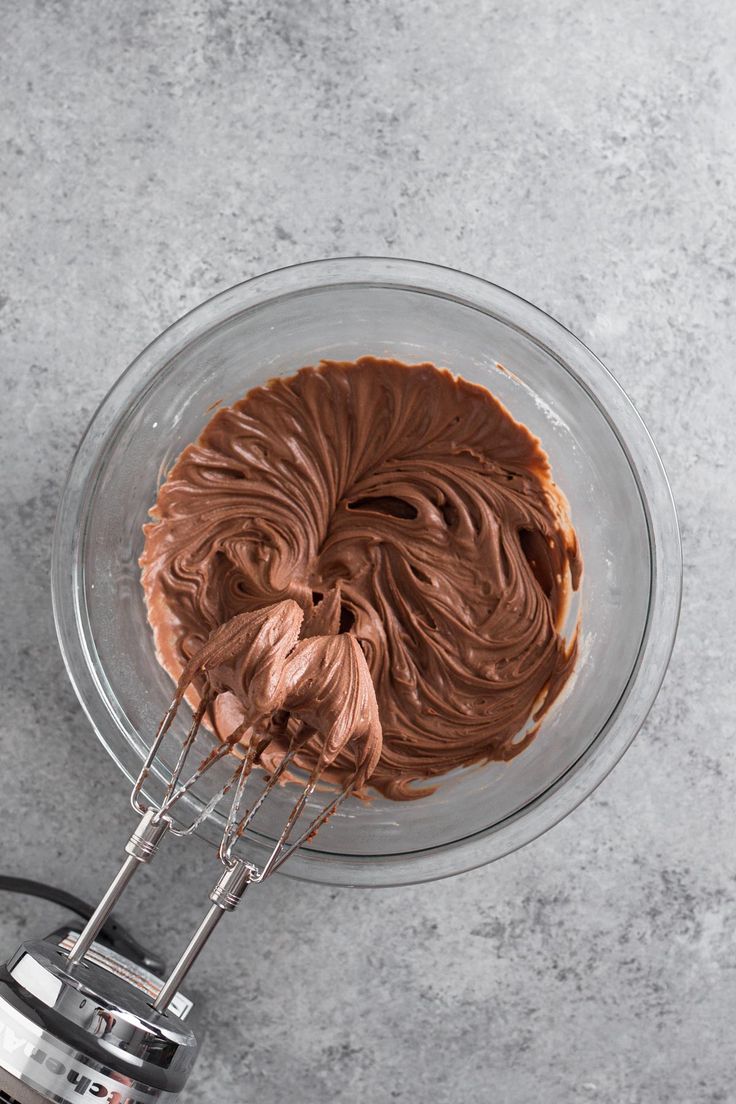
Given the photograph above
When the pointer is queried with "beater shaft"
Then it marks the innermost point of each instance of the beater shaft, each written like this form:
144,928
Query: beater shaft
96,921
188,958
225,896
141,847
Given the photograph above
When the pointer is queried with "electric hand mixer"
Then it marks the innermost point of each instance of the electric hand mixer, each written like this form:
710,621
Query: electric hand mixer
80,1022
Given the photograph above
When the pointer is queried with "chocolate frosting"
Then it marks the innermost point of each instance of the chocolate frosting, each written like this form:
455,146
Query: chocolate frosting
415,524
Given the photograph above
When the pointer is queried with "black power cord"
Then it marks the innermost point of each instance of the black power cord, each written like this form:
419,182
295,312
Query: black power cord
112,933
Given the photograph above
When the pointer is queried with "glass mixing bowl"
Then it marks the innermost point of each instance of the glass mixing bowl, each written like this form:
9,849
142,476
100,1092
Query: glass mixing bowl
602,457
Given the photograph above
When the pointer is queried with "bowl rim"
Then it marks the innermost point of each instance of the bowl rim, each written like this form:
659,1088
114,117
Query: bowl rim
646,676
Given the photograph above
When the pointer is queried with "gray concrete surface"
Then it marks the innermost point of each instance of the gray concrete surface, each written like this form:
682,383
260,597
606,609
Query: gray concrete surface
582,154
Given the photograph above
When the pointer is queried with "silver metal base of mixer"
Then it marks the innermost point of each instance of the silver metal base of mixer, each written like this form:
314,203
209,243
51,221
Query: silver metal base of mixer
13,1091
88,1032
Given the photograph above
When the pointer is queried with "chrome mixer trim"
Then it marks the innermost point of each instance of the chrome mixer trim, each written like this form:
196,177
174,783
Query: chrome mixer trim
61,1072
91,1012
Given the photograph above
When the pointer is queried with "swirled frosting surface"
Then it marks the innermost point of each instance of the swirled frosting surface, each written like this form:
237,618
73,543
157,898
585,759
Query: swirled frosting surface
394,503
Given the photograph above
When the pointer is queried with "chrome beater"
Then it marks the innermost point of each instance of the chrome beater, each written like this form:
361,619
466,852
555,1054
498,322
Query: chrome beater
238,873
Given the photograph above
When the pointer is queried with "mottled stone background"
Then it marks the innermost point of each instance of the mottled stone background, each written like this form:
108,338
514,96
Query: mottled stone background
581,154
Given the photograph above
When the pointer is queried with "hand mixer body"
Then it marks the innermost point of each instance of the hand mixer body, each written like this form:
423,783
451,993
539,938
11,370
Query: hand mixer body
88,1031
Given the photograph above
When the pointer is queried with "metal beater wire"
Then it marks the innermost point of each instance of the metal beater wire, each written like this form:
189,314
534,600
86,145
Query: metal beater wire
238,873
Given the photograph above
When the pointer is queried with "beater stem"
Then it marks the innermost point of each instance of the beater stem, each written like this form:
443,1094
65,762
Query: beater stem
96,921
188,958
225,895
141,848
